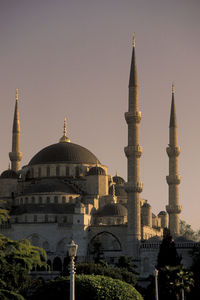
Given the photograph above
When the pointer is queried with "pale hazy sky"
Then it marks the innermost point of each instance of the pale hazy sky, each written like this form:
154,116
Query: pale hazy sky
71,58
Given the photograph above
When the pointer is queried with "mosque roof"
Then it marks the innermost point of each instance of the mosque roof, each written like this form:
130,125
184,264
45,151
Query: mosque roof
64,152
112,209
49,186
9,174
96,171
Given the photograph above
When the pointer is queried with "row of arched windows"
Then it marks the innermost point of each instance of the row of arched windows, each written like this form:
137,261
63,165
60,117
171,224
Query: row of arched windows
39,172
43,200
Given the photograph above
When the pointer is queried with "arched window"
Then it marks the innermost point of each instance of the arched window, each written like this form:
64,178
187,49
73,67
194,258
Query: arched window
46,218
49,264
39,172
63,200
32,172
56,199
48,171
35,218
26,200
57,171
67,171
57,264
48,200
21,201
40,200
33,200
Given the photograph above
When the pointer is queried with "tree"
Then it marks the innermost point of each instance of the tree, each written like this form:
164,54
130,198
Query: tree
195,253
167,255
17,258
187,231
90,287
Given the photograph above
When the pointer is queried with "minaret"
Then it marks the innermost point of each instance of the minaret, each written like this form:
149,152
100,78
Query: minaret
16,155
173,180
133,153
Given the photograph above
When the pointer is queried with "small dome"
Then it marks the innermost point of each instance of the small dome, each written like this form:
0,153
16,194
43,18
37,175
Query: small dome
9,174
146,205
118,180
64,153
117,190
49,186
162,213
112,210
96,171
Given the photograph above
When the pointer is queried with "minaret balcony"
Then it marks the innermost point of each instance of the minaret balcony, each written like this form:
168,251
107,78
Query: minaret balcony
15,156
173,209
173,151
133,117
173,179
134,187
135,151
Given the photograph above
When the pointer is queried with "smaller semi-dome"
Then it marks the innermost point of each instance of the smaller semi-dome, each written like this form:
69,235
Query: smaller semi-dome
96,171
49,186
112,210
118,180
9,174
162,213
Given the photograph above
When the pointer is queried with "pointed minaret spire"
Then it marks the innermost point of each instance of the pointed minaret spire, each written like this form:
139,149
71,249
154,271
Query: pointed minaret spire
173,110
16,155
133,153
133,79
64,138
173,179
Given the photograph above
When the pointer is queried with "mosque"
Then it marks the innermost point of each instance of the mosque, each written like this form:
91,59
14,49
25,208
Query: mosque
65,192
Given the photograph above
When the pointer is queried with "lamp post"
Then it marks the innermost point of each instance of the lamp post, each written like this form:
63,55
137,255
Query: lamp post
156,283
72,250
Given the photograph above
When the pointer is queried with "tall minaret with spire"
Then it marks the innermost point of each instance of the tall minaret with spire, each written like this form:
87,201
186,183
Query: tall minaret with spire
133,153
173,179
16,155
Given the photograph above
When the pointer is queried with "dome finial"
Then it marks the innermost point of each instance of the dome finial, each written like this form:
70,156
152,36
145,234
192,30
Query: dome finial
64,138
173,88
134,39
16,95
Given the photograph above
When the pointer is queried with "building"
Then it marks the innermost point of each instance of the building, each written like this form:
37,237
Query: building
65,193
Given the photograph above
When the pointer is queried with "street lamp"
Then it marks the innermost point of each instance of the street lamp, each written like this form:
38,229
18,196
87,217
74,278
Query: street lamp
72,250
156,283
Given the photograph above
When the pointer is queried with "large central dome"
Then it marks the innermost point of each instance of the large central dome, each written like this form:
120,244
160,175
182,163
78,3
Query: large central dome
64,153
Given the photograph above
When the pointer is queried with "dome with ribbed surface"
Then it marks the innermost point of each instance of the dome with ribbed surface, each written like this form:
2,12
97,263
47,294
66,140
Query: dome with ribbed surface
96,171
113,209
64,153
9,174
118,180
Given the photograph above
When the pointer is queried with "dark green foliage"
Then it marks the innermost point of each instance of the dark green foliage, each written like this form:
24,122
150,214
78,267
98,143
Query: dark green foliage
172,277
7,295
168,255
196,271
99,269
126,263
90,287
17,258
